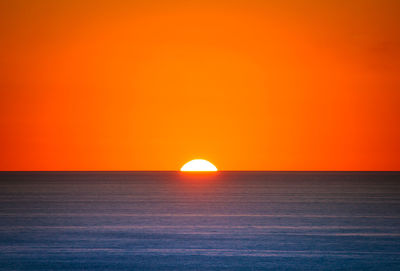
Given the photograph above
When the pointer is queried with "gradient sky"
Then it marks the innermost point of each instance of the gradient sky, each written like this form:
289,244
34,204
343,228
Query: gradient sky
247,85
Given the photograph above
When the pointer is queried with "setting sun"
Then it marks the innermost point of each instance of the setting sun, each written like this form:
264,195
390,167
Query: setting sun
198,165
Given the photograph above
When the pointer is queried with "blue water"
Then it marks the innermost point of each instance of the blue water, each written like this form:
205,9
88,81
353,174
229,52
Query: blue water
183,221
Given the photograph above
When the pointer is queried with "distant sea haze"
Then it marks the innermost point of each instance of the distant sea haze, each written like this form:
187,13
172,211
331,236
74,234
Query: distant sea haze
190,221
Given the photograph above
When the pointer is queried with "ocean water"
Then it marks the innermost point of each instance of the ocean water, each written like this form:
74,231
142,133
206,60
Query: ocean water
186,221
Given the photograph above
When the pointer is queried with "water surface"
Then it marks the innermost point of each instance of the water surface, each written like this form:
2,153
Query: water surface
183,221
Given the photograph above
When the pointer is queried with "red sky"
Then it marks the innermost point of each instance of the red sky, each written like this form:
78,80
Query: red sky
247,85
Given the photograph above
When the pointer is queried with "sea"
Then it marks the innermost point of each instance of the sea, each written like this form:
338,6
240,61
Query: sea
200,221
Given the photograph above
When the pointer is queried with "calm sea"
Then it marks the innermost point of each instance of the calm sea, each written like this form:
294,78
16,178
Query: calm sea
183,221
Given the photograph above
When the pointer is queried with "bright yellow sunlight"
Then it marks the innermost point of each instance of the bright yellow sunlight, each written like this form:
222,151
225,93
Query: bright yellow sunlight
198,165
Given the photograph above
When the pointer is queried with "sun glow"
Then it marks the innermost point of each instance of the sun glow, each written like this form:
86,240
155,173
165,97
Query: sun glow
198,165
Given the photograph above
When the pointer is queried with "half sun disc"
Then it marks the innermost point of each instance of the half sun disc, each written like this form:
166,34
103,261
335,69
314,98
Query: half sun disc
198,165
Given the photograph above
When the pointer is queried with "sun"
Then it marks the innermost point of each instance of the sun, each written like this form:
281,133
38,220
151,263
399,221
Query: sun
198,165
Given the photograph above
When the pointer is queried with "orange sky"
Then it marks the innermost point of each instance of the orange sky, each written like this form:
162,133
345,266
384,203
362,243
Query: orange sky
248,85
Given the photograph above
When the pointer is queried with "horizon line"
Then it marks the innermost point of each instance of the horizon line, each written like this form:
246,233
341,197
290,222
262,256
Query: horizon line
5,171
